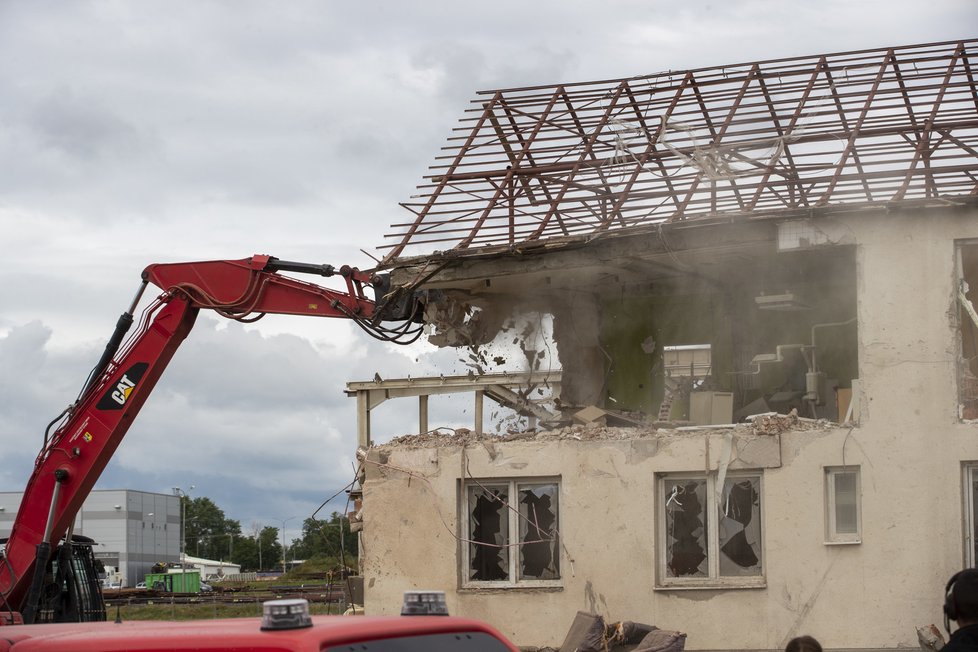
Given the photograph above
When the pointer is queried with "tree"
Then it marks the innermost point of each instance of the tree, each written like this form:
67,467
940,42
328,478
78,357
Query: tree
209,533
322,538
259,550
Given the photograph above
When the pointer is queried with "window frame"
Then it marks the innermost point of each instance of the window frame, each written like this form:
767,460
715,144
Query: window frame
961,316
713,580
513,485
832,535
969,476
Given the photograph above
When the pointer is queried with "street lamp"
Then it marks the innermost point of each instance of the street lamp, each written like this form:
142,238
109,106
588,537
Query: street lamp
283,521
177,491
258,537
152,526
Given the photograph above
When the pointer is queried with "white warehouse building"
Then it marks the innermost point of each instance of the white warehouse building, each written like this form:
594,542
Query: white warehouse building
132,529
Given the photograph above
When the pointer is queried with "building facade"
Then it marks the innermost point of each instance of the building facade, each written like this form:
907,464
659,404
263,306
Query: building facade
772,269
738,536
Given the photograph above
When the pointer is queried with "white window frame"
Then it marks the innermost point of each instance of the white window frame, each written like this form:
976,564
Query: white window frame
969,475
713,580
465,551
832,534
963,314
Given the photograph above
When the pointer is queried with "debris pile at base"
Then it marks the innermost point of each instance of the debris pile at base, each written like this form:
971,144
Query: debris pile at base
589,633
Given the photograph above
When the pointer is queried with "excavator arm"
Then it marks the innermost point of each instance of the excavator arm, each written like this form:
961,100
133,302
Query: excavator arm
89,431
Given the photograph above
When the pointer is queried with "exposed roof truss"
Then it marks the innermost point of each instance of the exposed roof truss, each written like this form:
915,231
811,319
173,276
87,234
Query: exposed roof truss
841,130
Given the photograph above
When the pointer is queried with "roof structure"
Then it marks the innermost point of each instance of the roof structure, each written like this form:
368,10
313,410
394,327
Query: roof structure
800,136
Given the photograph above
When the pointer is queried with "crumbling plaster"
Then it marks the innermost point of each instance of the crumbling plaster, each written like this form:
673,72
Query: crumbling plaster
909,446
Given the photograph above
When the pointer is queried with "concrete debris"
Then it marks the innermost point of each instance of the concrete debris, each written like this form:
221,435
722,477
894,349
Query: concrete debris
589,633
930,638
586,634
773,423
764,424
590,414
457,320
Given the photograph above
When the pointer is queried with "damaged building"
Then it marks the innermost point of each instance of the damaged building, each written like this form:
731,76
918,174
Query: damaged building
763,420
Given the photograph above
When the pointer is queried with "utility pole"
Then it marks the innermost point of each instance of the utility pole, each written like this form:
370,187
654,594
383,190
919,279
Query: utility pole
283,521
177,491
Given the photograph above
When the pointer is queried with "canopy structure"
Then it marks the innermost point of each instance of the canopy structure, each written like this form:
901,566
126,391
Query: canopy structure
807,135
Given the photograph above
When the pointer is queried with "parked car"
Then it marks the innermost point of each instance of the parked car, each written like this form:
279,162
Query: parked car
204,587
140,585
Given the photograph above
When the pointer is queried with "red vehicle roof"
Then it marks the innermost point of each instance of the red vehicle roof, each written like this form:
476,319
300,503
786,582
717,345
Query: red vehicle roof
362,633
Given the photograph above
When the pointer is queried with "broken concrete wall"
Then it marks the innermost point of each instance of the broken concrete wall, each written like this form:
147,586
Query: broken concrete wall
909,447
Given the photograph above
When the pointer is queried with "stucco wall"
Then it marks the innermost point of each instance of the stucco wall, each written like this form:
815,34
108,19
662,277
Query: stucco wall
909,446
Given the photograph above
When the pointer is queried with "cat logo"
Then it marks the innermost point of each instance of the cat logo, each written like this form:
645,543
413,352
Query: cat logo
117,395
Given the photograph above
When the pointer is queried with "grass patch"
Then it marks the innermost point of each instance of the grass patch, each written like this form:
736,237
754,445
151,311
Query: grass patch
163,609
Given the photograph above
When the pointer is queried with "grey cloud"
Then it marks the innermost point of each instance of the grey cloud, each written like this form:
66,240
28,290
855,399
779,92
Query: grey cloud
259,419
82,128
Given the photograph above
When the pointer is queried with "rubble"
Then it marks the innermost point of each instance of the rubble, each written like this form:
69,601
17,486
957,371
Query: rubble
589,633
764,424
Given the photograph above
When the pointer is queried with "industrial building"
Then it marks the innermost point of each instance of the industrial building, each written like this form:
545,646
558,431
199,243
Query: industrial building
132,530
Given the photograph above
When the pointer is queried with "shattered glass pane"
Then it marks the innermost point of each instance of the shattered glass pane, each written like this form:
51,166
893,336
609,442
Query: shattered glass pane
488,533
740,527
845,503
539,550
686,549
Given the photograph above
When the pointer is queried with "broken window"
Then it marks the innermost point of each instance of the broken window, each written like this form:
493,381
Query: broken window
489,533
710,537
842,498
512,541
967,300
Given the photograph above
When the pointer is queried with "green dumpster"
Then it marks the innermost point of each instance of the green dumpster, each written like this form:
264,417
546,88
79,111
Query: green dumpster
182,582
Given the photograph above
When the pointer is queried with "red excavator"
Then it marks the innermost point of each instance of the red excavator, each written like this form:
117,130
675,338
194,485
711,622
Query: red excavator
47,574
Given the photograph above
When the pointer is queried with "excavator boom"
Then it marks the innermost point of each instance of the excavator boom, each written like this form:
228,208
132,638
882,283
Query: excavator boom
74,456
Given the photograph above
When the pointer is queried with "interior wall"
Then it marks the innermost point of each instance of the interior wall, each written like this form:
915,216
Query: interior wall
717,307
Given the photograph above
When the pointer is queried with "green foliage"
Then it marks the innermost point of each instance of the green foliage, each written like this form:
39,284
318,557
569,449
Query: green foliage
321,568
321,538
209,533
260,551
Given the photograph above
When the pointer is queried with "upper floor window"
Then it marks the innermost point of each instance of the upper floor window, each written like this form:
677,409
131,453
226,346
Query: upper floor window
710,530
970,514
967,300
842,505
512,529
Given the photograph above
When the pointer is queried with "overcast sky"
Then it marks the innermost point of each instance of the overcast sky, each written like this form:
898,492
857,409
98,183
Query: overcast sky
138,132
